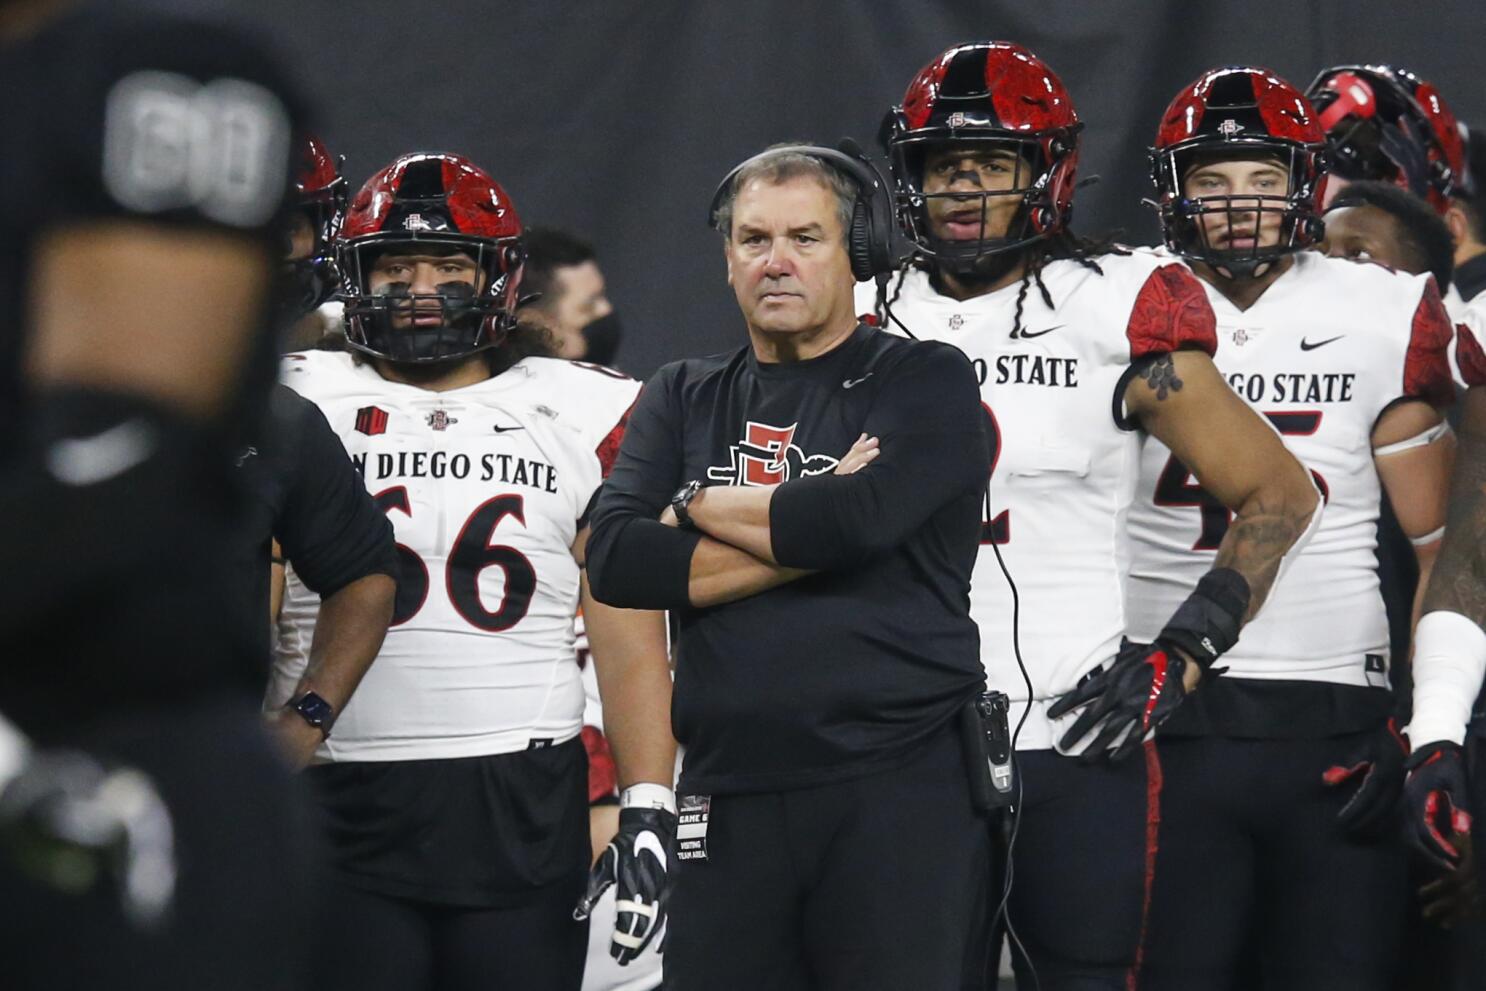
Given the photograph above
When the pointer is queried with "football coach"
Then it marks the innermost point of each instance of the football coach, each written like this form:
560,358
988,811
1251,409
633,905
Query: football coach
809,506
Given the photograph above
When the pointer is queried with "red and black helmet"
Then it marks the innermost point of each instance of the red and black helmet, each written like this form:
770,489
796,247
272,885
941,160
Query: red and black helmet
431,203
1383,122
1239,112
320,195
992,92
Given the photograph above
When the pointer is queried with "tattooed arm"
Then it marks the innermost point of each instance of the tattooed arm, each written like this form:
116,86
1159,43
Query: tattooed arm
1458,583
1449,646
1182,401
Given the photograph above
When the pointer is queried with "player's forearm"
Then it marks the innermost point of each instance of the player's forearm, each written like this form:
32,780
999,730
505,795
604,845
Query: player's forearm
722,573
736,515
1458,582
1270,526
348,635
634,675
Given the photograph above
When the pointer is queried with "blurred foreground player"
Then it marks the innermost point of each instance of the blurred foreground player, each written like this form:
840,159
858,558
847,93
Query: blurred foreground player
1080,349
148,159
455,781
1255,856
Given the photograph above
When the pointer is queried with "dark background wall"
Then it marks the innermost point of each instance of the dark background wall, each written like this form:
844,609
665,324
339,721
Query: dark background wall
616,118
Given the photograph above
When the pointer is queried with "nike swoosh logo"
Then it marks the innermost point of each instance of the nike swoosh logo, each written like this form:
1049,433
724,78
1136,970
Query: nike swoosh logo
1025,334
89,460
500,429
647,840
851,383
1306,345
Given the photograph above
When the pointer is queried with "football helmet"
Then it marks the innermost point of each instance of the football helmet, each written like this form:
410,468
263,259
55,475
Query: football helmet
991,93
1384,122
1239,112
430,203
320,196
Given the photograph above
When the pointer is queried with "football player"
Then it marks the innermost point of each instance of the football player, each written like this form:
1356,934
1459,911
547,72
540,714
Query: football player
309,239
1377,221
1349,363
455,781
147,161
1383,122
1079,350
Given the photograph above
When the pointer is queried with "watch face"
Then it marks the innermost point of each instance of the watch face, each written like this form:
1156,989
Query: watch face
315,710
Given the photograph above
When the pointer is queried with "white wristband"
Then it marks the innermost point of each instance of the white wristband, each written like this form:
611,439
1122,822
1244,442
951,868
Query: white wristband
1449,664
648,796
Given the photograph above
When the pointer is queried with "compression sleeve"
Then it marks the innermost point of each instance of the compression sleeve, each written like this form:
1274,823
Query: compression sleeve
934,447
634,561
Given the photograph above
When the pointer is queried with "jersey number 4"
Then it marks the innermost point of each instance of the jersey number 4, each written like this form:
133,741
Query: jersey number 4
471,554
1178,487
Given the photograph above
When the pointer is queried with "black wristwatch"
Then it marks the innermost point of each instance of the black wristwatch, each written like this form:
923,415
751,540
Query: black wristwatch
314,710
681,502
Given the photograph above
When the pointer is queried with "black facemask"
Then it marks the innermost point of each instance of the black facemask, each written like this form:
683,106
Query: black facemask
601,339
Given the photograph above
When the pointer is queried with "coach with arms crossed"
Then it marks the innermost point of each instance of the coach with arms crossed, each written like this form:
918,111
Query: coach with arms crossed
809,505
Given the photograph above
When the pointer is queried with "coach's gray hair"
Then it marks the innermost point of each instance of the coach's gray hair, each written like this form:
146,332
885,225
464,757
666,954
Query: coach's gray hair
779,165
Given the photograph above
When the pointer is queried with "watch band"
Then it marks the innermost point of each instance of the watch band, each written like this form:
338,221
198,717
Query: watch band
681,502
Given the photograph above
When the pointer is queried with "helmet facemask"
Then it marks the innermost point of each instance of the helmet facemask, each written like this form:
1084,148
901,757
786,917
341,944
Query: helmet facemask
991,246
1293,215
395,324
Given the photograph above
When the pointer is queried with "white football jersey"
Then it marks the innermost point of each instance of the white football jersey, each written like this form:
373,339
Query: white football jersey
1327,348
1065,471
1467,359
485,487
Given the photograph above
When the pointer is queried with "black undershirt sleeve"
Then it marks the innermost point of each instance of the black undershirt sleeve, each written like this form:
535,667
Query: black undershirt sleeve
330,529
934,447
634,561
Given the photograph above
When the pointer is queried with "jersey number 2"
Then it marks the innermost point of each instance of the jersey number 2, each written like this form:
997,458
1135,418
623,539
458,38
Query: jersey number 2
1177,487
471,554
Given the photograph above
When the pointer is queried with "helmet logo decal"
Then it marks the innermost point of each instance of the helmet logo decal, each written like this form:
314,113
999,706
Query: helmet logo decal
415,222
1229,128
957,119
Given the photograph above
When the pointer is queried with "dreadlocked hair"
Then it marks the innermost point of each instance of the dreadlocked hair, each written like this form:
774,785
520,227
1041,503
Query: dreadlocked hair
1062,245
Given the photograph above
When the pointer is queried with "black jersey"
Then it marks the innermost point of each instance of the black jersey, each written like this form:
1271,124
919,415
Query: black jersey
122,592
845,671
305,492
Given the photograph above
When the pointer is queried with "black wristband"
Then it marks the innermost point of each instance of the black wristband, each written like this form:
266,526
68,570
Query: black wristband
1207,624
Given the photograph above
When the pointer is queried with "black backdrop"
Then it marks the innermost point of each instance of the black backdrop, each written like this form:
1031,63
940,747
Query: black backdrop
615,118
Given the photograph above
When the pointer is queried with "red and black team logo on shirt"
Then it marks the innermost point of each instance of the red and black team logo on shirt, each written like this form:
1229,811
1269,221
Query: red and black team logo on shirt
371,421
767,455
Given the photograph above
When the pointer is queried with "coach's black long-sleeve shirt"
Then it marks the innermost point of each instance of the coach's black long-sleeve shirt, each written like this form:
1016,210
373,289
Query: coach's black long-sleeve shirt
843,672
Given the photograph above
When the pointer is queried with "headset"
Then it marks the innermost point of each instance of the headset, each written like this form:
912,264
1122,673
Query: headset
869,239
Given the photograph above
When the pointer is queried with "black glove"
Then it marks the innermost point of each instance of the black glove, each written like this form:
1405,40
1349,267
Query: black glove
1136,693
1435,794
1378,767
71,823
638,859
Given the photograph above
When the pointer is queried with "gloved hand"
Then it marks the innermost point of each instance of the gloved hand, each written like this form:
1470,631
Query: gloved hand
1136,693
1377,767
69,822
1436,808
638,860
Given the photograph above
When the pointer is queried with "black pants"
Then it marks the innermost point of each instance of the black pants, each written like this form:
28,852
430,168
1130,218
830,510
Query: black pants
1255,875
420,946
873,883
459,873
1079,870
245,903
